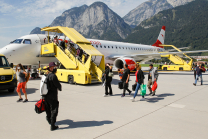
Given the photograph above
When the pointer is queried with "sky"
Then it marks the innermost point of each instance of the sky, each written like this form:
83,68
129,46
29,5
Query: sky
20,17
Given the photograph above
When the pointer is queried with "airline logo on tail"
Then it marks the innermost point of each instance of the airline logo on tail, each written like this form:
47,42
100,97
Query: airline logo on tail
161,38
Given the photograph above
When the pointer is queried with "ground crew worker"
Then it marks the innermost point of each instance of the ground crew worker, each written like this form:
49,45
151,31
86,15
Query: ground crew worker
120,73
152,76
51,99
108,78
125,80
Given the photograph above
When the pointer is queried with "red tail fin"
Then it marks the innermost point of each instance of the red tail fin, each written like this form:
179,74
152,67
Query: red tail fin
161,38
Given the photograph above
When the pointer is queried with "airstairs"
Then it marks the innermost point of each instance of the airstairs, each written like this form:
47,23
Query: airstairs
180,63
73,69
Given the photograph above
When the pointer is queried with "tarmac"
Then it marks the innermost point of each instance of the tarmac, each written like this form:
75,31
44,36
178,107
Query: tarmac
178,111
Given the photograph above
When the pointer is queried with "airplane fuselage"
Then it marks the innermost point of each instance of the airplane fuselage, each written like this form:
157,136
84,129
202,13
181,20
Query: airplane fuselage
26,50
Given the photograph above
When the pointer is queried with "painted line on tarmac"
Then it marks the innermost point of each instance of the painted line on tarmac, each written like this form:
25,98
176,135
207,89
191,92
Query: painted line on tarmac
149,113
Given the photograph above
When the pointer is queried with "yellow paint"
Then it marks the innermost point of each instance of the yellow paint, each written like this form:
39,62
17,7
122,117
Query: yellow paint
6,71
180,63
83,73
47,48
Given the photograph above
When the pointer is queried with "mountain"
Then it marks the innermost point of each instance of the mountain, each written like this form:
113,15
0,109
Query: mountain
37,30
149,9
96,21
186,25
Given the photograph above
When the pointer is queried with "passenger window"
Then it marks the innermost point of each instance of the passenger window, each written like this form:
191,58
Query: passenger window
116,47
100,46
119,47
108,46
104,46
96,46
123,47
112,47
27,41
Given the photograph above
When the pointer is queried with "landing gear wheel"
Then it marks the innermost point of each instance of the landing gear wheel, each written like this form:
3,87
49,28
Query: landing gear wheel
11,90
70,79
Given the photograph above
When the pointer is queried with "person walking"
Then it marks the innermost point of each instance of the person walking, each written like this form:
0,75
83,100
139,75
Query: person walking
125,80
139,81
198,74
108,78
51,98
22,82
194,68
152,77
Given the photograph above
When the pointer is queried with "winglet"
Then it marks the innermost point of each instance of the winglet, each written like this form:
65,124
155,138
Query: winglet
161,38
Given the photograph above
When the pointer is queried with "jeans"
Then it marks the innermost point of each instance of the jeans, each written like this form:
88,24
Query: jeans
137,89
197,76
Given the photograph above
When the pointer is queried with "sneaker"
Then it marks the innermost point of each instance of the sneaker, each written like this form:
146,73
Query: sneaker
150,93
54,128
132,99
153,94
19,100
194,84
201,84
122,96
105,95
26,100
142,99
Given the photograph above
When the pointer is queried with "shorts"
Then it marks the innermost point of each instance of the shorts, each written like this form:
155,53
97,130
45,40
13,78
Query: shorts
21,85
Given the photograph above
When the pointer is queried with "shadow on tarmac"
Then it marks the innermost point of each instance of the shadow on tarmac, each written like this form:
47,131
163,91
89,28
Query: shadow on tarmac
158,97
81,124
5,93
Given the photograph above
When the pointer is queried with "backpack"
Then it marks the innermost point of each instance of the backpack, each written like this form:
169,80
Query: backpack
40,106
43,86
203,69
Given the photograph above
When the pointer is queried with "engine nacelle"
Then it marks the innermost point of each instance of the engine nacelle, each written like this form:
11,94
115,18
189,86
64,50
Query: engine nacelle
118,63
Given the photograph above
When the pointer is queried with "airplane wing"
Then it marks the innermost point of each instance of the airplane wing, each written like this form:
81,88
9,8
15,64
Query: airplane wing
166,53
154,55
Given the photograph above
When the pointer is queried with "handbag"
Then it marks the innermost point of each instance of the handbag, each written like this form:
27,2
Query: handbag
40,106
110,74
143,89
134,87
154,86
120,85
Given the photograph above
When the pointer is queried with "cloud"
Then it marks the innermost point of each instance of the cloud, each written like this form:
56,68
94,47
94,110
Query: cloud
5,8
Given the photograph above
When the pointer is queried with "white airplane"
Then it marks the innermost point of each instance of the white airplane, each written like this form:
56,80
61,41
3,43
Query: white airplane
26,50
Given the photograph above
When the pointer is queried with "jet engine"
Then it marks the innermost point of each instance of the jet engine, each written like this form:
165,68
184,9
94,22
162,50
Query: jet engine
118,63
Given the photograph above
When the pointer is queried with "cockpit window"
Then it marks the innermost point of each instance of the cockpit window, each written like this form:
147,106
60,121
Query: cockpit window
17,41
3,62
27,41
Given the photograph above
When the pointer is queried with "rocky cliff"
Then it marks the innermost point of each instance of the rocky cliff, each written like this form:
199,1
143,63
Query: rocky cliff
149,9
96,21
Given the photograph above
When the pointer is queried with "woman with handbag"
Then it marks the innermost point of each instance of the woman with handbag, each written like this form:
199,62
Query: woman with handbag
108,76
139,81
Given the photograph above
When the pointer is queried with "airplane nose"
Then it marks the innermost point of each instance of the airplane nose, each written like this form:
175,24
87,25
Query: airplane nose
5,51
